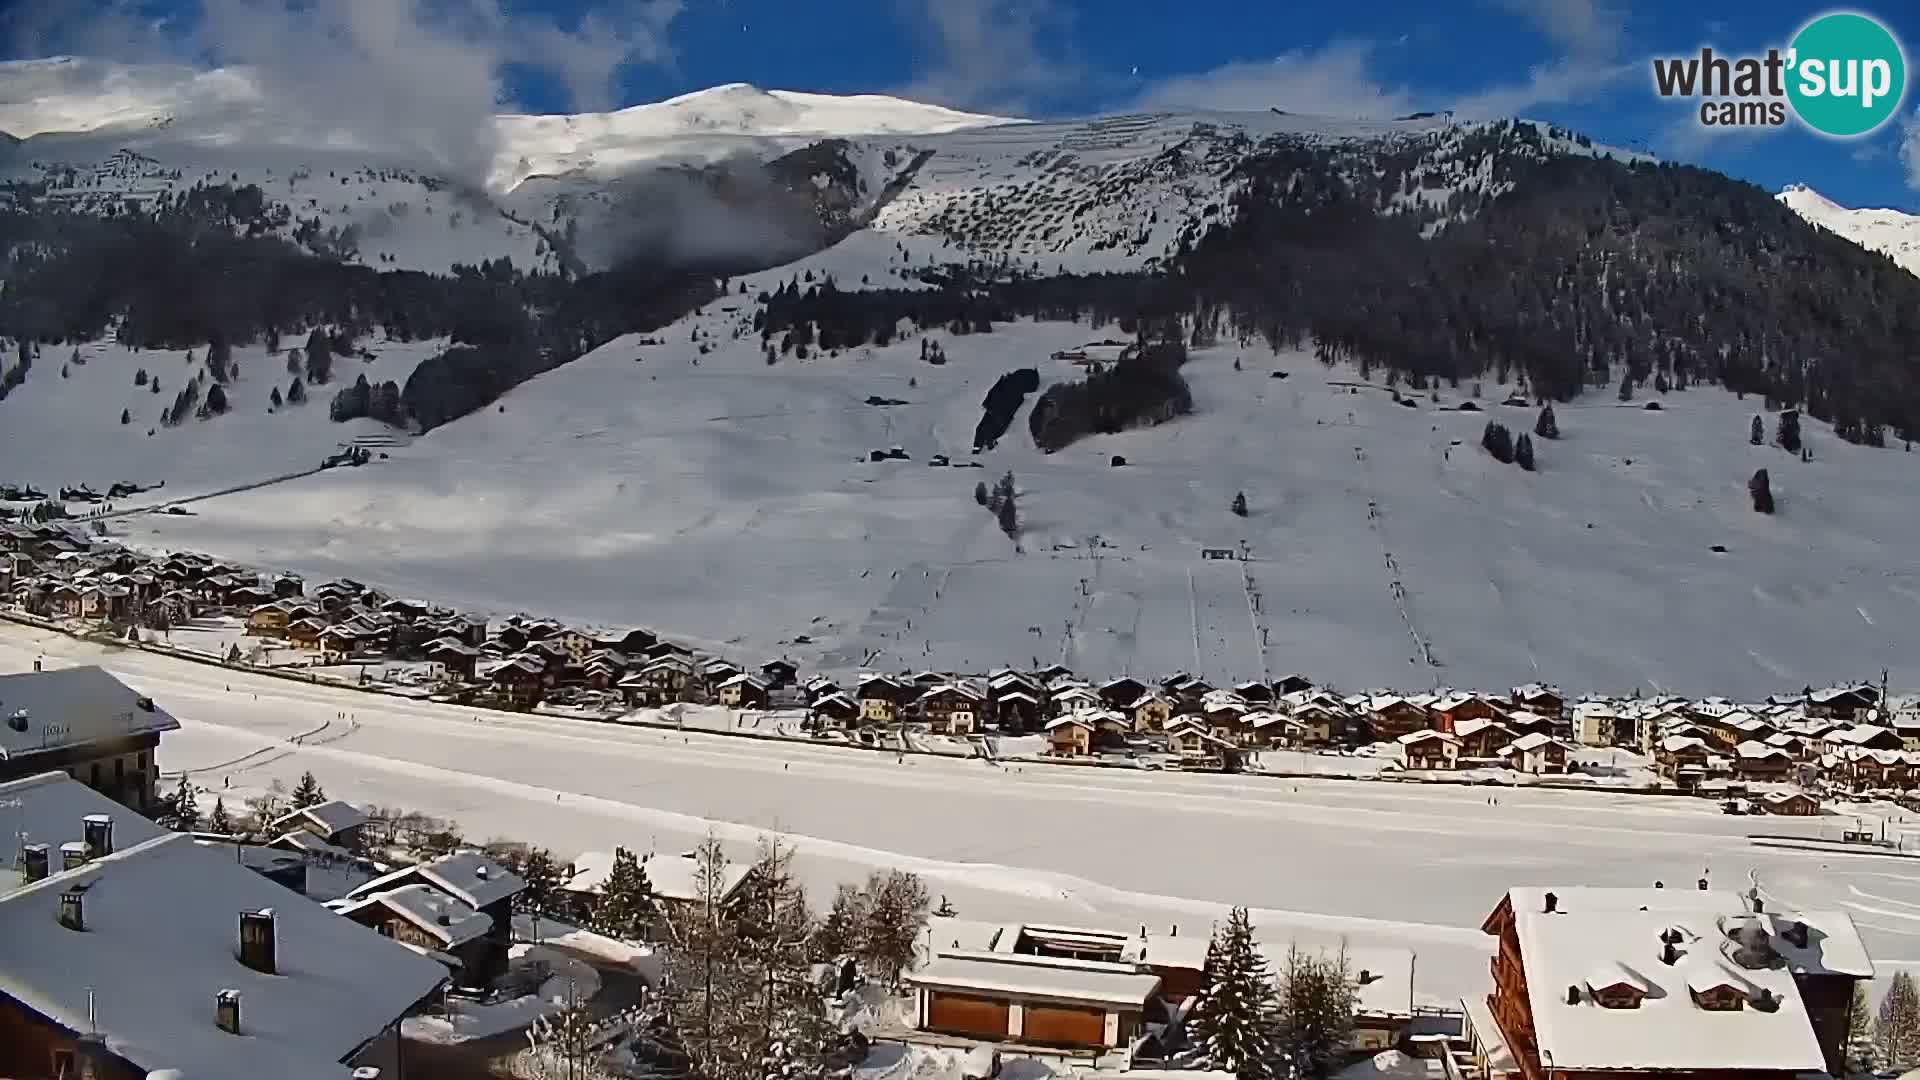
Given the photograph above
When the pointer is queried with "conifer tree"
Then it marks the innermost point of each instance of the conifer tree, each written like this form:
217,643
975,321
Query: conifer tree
126,417
542,876
840,933
1233,1020
1757,433
1896,1034
183,809
625,907
1240,504
1761,488
1786,432
220,821
1547,427
1523,453
307,792
895,915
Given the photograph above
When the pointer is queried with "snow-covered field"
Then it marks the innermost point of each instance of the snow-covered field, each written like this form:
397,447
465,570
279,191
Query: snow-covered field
1317,860
727,501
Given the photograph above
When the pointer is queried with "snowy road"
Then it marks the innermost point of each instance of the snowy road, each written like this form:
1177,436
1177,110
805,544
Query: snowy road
1317,860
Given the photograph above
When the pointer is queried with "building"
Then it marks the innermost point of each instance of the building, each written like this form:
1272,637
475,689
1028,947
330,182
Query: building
1035,1000
1536,754
475,881
337,822
952,709
1790,803
1070,736
1592,983
426,918
1431,750
742,692
86,723
168,958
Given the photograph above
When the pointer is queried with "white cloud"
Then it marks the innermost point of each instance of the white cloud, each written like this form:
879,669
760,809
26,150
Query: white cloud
1577,27
1335,80
1567,80
414,75
1000,56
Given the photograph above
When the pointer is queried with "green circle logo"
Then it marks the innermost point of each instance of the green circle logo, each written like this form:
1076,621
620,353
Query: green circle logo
1847,76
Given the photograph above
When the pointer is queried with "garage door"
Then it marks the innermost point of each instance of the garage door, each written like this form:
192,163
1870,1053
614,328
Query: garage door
1055,1025
958,1014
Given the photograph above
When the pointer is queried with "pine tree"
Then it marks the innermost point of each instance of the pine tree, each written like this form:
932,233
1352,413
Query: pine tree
980,493
126,417
182,809
274,399
1757,433
1896,1034
216,399
294,360
1240,504
625,906
1761,488
1316,1012
296,393
219,821
1523,453
307,792
319,357
1547,427
542,876
1233,1020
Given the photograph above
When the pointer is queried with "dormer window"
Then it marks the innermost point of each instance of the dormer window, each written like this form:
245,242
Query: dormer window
1719,997
1617,994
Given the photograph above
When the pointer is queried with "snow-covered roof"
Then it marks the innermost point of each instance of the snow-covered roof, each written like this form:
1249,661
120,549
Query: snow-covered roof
1833,945
1751,750
150,982
434,912
1043,977
1473,727
1412,737
1534,740
1675,744
334,816
72,706
1169,951
744,680
467,876
1619,930
48,808
1084,720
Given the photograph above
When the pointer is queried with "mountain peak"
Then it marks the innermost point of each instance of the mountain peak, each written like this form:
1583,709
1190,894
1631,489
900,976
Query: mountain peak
1890,232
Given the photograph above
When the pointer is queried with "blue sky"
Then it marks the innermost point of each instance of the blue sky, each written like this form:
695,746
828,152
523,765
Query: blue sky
1584,64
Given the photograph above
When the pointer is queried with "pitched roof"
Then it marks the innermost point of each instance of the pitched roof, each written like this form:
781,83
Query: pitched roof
1598,930
434,912
152,986
335,816
70,707
467,876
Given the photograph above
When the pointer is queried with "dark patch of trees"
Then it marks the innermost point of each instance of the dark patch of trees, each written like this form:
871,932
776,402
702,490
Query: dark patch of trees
1523,453
380,401
1144,387
1548,426
1498,441
1003,400
1786,433
1760,487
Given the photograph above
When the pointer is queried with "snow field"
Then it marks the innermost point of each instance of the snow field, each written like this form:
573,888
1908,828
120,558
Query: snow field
1320,861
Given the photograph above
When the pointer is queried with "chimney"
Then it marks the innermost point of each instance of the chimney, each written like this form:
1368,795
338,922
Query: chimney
1553,903
33,862
73,914
257,941
226,1011
1796,933
1669,954
73,854
366,1072
1703,884
98,829
18,719
1659,884
480,871
443,919
1573,994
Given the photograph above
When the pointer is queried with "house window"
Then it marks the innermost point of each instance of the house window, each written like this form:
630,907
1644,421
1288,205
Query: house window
63,1065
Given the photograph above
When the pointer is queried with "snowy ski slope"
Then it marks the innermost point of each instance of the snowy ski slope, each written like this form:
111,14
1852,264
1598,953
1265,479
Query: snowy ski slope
719,498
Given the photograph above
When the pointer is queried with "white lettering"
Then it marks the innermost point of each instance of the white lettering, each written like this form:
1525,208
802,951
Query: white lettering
1813,77
1877,83
1843,87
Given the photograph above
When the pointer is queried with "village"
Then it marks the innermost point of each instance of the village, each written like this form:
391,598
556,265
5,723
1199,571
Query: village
310,937
1791,754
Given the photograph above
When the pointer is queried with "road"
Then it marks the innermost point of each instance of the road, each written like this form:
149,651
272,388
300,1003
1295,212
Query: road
1317,861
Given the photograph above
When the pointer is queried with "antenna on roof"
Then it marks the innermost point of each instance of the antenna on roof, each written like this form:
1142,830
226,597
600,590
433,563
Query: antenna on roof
92,1023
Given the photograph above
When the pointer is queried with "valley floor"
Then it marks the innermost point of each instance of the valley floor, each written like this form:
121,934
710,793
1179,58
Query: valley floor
1319,861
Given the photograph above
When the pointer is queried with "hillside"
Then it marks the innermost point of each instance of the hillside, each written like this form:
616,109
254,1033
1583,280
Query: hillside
1890,232
718,497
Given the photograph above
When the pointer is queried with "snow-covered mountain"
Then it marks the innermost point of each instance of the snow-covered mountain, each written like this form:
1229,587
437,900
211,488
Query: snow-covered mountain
1889,231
